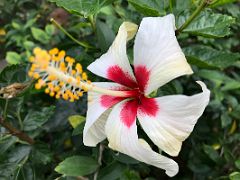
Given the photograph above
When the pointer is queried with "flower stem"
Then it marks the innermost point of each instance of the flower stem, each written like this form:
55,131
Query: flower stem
101,149
92,22
5,109
171,6
204,4
15,132
83,44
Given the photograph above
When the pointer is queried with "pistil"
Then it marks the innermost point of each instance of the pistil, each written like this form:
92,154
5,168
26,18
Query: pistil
87,86
55,71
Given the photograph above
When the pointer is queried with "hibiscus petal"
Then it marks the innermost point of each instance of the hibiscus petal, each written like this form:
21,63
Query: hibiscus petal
98,110
114,64
121,131
158,57
174,120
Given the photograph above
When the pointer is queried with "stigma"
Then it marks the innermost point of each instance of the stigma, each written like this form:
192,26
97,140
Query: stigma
59,74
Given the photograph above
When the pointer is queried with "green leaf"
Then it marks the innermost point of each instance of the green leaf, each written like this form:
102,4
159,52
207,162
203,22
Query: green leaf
105,36
13,73
14,162
28,45
7,170
212,154
225,120
41,154
148,7
75,120
221,2
13,57
79,129
29,23
40,35
82,7
35,119
16,25
50,29
220,79
77,166
19,153
234,176
237,163
207,24
112,171
124,158
6,142
206,57
130,175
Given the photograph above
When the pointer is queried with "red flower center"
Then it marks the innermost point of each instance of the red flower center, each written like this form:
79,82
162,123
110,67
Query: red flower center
138,102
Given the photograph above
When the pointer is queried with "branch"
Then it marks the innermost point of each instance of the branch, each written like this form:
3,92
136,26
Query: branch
15,132
204,4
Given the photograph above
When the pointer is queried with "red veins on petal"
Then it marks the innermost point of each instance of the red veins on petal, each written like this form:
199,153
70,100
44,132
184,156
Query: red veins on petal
108,101
116,74
142,76
129,112
148,106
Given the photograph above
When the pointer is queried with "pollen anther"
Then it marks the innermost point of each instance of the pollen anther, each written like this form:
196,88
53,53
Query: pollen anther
56,72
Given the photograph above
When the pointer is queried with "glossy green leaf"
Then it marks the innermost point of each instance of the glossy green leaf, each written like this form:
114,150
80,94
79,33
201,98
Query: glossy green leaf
40,35
220,79
6,142
77,166
41,154
19,153
148,7
207,24
35,119
13,73
112,171
82,7
7,170
14,161
206,57
124,158
13,57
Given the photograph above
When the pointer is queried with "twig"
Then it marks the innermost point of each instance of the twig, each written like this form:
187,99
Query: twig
70,36
204,4
92,22
15,132
101,149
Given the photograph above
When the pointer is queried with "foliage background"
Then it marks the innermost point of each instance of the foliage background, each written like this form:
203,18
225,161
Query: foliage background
211,45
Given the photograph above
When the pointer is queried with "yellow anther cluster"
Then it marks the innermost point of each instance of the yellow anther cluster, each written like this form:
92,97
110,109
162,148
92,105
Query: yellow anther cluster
55,72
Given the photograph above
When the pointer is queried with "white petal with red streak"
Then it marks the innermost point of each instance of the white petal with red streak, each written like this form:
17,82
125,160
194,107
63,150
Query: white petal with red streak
97,115
174,120
116,57
124,139
156,49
